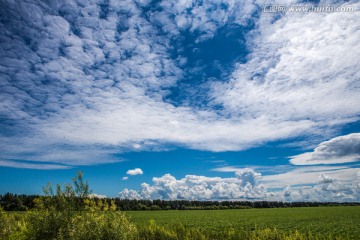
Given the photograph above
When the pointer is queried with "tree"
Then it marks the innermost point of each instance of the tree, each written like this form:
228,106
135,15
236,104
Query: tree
81,188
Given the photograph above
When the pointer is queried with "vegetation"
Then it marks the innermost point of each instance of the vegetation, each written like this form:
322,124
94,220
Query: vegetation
134,205
14,202
68,213
318,222
155,232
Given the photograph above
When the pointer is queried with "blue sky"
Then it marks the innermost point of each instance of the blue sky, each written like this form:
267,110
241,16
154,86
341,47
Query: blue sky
181,100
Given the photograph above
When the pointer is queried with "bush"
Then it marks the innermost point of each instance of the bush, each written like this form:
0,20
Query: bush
49,225
12,226
68,214
101,225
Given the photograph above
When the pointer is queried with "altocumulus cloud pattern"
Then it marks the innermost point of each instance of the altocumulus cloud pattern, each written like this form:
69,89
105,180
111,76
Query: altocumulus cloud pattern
68,67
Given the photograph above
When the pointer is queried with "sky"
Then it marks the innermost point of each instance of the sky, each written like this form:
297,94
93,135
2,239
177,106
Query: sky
198,100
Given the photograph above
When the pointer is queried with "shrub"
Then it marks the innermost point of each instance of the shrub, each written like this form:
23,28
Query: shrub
70,214
101,225
47,224
12,226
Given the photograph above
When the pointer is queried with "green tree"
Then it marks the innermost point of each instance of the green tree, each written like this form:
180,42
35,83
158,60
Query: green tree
57,215
82,189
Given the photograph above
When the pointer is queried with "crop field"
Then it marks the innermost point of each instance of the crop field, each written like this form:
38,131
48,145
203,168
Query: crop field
318,222
307,223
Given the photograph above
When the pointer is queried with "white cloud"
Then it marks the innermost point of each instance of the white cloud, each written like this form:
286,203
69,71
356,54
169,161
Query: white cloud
227,169
205,18
308,176
129,194
331,185
327,189
340,149
98,80
125,178
325,179
31,165
136,146
94,195
244,186
280,176
136,171
301,70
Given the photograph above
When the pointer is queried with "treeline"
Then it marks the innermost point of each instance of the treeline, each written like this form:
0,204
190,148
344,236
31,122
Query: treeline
14,202
134,205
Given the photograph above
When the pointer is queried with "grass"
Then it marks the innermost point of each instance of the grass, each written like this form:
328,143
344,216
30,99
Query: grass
320,222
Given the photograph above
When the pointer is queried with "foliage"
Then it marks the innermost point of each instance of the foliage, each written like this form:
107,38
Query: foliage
82,189
96,222
12,226
13,202
101,225
133,204
68,213
68,198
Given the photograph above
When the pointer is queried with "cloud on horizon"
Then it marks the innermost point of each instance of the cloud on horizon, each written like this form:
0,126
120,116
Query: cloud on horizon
95,195
280,176
247,185
327,189
243,186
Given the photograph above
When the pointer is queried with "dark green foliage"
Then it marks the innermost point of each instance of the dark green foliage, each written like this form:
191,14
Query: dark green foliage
135,205
13,202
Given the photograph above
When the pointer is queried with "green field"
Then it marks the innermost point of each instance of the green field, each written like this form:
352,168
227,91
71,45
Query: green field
338,222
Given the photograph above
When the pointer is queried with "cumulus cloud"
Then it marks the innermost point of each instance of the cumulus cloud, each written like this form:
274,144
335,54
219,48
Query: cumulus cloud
76,77
136,171
244,185
327,189
249,185
125,178
340,149
94,195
